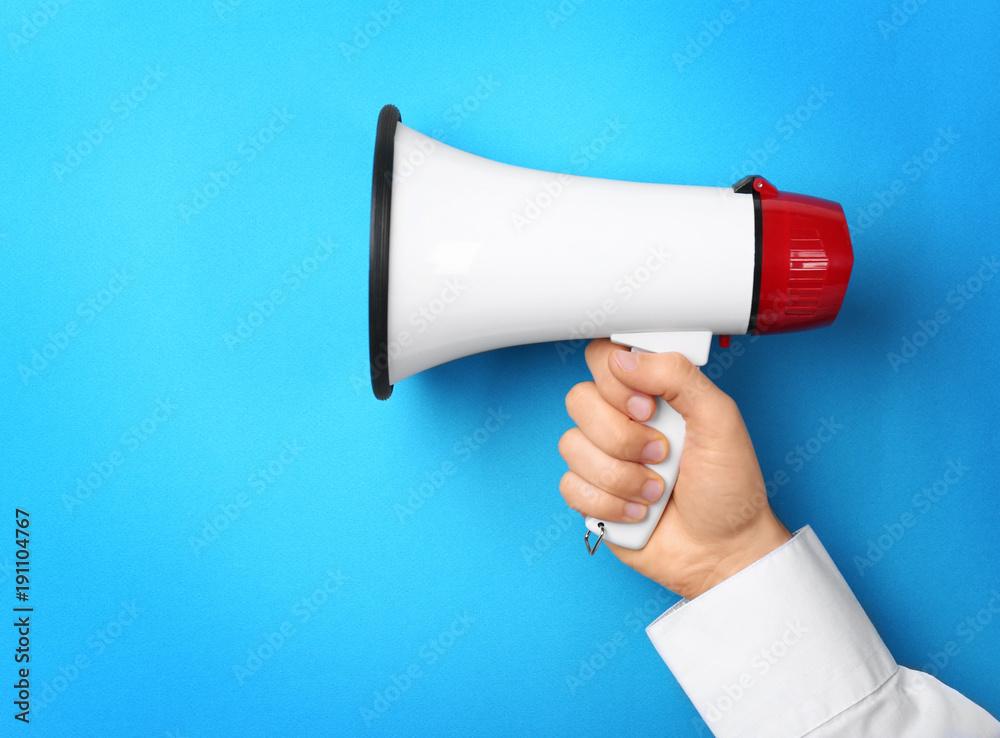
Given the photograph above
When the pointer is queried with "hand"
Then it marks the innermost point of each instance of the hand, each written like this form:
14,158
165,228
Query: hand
718,520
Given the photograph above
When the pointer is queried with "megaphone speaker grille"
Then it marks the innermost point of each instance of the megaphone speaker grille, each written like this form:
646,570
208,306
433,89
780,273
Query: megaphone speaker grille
378,258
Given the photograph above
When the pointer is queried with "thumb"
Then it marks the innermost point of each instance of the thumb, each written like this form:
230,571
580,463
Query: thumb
675,379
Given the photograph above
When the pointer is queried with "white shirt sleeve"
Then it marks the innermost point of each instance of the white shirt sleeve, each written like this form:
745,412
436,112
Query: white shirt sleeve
783,649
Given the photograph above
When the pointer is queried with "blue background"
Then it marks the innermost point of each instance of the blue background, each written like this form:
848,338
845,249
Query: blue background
473,610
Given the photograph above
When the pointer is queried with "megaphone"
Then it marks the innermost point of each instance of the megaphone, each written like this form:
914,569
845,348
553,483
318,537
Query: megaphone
469,255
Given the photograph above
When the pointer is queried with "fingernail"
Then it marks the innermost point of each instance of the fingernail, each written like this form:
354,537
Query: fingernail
654,452
639,408
634,510
626,360
652,490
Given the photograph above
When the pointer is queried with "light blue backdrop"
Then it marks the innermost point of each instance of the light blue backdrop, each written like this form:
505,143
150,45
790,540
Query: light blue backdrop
223,538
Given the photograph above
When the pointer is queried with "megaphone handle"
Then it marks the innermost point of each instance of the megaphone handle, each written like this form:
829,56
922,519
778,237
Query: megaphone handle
635,535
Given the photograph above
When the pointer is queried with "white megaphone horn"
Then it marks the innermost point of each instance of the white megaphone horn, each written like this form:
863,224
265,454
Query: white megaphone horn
469,255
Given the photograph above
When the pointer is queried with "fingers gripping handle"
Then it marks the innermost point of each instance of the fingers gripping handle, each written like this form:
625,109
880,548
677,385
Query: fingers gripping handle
635,535
695,346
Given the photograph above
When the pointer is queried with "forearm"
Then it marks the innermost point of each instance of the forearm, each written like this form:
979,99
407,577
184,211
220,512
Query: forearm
784,648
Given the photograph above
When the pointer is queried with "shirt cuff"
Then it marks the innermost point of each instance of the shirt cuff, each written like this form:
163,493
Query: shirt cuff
777,649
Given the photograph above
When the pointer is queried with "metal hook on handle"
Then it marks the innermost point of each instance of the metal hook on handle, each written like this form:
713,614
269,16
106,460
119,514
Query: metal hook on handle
586,539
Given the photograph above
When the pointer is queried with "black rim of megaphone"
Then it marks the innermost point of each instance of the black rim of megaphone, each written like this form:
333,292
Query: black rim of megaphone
378,257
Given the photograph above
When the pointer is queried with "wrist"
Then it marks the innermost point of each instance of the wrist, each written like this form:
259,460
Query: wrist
751,546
